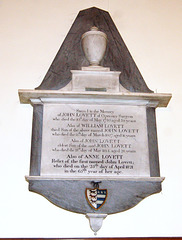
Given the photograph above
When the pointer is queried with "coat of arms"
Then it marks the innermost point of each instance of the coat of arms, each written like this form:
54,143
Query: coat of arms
96,197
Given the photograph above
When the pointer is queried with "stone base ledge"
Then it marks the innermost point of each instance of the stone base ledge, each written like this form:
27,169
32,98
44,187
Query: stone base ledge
135,179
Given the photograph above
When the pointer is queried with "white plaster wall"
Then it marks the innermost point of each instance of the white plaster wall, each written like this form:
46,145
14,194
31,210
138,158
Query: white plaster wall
31,32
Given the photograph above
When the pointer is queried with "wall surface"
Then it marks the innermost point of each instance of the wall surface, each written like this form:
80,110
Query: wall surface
31,32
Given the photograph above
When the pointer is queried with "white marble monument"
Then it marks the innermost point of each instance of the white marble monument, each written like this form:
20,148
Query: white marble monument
95,136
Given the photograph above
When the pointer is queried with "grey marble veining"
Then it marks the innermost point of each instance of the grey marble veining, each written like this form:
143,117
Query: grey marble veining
71,57
70,194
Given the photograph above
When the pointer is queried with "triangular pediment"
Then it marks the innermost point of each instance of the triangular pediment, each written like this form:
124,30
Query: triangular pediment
71,57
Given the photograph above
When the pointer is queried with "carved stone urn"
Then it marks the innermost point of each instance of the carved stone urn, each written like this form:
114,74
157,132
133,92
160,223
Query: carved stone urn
94,44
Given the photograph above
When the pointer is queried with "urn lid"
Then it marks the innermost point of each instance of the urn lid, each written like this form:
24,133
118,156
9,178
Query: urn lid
94,31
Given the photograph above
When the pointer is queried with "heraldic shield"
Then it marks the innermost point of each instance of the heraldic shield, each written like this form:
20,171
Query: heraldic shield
96,197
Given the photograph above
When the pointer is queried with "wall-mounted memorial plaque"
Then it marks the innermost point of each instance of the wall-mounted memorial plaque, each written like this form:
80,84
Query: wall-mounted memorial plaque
94,140
94,126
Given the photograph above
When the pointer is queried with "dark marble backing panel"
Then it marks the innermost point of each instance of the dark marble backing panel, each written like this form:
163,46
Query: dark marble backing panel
153,144
36,147
71,57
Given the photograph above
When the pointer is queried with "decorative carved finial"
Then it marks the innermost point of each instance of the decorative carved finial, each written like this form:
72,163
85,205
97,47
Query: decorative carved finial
95,221
94,44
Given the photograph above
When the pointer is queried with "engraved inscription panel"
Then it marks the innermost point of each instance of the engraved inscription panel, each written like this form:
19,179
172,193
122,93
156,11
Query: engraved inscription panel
82,140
